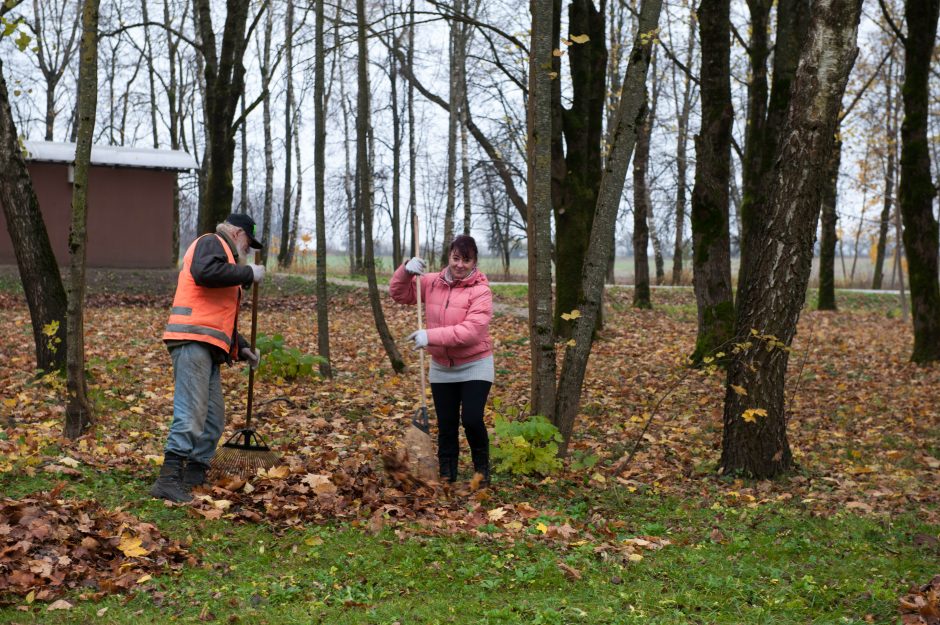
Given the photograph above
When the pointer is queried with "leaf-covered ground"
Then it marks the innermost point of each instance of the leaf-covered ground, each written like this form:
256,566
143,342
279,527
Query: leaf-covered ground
864,428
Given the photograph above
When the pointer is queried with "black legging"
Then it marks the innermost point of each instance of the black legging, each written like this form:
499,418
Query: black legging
448,398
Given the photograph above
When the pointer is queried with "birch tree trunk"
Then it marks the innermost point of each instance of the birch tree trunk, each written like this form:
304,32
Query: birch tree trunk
916,192
364,170
754,441
78,412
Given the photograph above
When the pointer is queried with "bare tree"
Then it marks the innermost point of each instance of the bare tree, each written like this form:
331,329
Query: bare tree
78,412
55,27
364,198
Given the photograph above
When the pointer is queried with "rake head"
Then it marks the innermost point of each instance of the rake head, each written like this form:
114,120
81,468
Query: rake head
243,454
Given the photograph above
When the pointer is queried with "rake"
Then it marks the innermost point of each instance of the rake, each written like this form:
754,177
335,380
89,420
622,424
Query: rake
245,451
418,435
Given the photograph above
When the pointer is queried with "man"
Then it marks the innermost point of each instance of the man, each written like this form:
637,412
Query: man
201,334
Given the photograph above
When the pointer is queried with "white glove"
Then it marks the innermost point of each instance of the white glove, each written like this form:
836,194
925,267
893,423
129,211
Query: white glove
420,338
416,266
251,356
258,271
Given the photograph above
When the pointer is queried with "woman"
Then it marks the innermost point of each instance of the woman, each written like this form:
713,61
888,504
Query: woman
459,306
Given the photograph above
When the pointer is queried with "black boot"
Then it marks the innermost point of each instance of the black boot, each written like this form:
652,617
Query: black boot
194,474
169,484
481,463
448,469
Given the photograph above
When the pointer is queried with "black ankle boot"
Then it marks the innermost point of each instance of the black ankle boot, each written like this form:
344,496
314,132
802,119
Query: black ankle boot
195,474
448,469
481,463
169,484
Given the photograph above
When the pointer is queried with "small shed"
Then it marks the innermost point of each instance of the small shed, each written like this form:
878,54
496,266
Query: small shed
130,203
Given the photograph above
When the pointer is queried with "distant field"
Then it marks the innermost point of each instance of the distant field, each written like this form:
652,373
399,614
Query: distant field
338,265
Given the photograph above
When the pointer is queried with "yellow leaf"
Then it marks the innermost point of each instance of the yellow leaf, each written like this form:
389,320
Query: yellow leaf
634,557
750,415
31,596
496,514
275,473
131,546
513,526
143,578
542,527
580,38
740,390
571,343
597,477
557,52
313,541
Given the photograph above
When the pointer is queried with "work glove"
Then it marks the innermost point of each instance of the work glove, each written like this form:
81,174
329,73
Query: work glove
416,266
251,356
258,271
420,338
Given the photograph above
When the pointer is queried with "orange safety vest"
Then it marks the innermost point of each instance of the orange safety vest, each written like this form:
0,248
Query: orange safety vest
208,315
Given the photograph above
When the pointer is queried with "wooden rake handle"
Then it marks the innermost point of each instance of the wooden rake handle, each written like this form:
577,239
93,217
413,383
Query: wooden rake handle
254,338
417,232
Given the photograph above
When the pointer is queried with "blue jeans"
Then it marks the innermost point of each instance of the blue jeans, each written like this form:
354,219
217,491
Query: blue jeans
198,407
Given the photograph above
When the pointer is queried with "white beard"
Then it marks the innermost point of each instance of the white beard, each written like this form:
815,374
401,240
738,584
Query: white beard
243,254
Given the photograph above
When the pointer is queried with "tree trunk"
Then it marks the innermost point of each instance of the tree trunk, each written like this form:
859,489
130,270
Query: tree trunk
453,117
754,441
364,169
711,243
792,24
623,140
397,254
641,208
225,82
39,272
827,242
267,207
175,127
891,132
682,137
916,192
78,412
539,115
412,149
755,143
283,254
576,156
319,168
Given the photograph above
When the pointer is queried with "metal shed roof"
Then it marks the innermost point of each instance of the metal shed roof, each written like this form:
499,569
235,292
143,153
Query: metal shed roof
110,155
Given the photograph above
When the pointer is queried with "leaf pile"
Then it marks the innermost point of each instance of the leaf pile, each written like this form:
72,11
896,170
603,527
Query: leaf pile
921,606
51,545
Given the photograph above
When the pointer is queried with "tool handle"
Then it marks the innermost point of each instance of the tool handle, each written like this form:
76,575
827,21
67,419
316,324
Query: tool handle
254,337
417,232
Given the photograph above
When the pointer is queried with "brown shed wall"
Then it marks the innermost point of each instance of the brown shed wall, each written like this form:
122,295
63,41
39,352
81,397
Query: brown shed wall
130,215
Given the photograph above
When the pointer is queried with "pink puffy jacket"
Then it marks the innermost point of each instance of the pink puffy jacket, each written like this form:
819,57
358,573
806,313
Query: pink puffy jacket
457,317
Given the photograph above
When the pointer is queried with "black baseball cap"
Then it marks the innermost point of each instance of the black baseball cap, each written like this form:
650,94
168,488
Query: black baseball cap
246,223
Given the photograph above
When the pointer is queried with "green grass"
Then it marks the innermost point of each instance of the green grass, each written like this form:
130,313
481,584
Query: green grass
773,564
